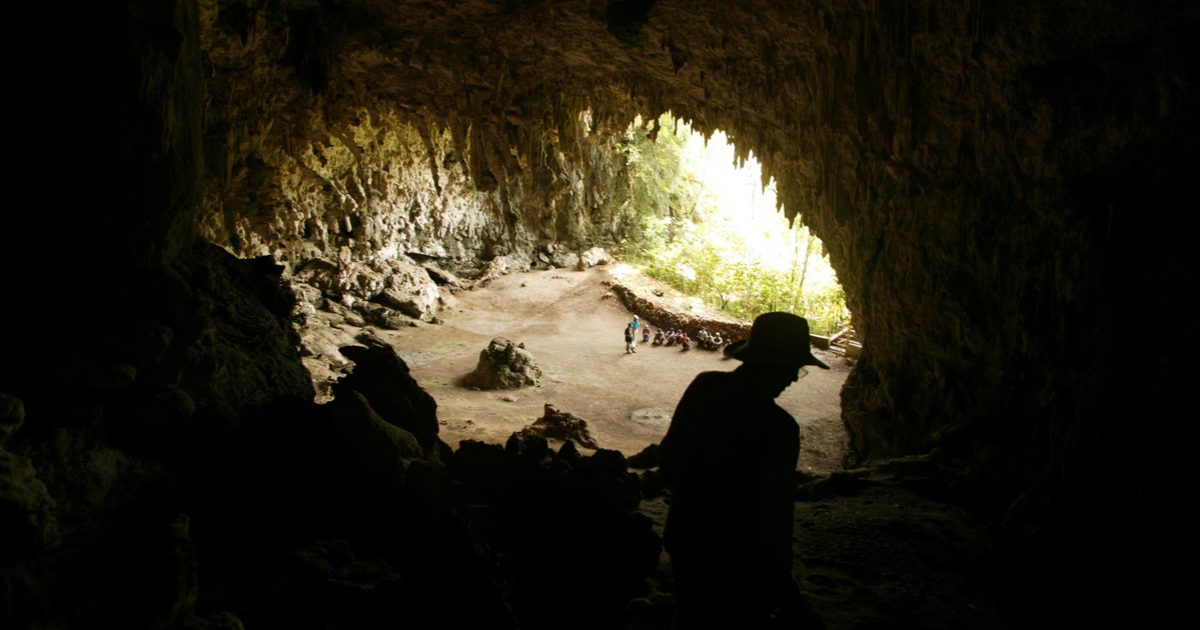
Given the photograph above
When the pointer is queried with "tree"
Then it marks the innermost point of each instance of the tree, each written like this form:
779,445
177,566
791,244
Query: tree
698,230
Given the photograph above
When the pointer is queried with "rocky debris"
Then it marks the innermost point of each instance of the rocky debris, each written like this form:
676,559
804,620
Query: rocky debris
383,379
608,459
309,300
503,365
441,277
646,458
347,581
561,425
539,508
383,317
594,256
568,452
556,255
837,484
501,265
532,447
27,511
340,527
347,313
561,256
12,416
652,484
317,272
378,445
397,283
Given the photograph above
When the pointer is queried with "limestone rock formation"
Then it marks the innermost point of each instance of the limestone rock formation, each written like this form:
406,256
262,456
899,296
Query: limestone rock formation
594,256
397,283
386,388
999,185
503,365
561,425
12,416
27,511
569,524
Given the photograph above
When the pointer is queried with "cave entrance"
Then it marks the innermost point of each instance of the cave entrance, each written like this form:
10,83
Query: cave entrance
702,216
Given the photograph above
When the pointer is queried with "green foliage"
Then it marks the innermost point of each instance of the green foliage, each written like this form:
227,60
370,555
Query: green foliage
689,231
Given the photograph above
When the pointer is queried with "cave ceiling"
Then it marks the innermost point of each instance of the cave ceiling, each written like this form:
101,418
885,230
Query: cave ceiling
944,153
502,75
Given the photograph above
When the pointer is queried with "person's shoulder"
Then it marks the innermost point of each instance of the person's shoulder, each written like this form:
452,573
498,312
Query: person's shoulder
712,378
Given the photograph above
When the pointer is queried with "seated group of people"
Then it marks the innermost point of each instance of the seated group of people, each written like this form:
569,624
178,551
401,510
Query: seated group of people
704,340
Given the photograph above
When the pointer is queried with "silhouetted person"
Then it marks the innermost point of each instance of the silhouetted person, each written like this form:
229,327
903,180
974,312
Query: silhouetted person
730,456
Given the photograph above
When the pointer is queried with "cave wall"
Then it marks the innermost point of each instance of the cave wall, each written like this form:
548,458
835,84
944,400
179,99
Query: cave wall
999,187
326,163
962,163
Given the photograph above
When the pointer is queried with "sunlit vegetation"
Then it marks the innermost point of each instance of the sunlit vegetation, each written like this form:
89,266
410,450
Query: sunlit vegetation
711,229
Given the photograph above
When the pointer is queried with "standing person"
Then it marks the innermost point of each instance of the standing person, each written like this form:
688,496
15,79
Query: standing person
730,457
634,324
629,347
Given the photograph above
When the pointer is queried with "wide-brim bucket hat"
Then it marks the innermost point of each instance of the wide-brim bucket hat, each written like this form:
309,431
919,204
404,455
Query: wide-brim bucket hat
776,339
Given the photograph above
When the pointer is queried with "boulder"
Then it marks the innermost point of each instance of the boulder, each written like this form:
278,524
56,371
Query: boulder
646,458
442,277
565,259
561,425
26,509
502,265
534,448
408,287
383,317
383,379
12,415
594,256
376,444
398,283
503,365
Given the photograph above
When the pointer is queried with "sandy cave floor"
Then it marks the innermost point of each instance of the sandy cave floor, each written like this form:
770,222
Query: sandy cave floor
872,550
572,324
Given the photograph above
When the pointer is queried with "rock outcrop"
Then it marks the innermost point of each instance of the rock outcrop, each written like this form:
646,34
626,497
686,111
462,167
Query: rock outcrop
503,365
27,511
381,384
561,425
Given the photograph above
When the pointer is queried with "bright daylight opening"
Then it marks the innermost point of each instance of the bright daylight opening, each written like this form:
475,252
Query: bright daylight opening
710,227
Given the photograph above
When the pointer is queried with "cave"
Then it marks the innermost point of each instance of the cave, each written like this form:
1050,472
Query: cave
1003,189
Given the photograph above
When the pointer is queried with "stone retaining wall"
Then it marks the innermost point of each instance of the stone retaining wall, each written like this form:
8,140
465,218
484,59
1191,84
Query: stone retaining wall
660,316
